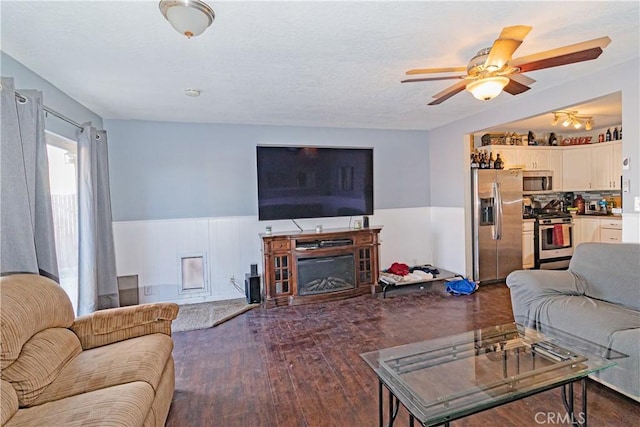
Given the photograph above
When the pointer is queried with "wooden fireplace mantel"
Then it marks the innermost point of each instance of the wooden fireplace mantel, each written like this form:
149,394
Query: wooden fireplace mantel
281,252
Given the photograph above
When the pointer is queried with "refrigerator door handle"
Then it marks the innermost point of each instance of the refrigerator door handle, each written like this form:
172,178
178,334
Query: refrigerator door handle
497,230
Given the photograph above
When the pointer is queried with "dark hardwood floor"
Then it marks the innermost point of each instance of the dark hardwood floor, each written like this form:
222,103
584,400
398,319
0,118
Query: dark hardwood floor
300,366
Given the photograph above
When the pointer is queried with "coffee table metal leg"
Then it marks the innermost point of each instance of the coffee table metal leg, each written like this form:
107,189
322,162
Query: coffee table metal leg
581,418
380,411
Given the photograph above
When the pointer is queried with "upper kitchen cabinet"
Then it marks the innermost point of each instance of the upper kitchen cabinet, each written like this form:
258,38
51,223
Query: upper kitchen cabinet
576,169
606,166
592,167
534,158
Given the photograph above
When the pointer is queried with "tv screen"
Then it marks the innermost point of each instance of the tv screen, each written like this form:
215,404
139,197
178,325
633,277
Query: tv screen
314,182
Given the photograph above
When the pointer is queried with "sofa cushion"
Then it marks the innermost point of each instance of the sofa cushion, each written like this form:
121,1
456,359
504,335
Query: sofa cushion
587,318
9,402
137,359
625,376
30,304
41,360
610,271
121,405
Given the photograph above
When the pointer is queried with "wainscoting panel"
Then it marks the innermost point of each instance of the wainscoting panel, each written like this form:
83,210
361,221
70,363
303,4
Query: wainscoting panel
153,249
631,227
448,236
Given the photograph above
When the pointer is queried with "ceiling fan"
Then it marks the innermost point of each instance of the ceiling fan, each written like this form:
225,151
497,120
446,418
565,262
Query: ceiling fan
493,69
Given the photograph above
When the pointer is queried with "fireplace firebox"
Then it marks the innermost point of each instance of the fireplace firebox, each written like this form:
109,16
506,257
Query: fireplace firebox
325,274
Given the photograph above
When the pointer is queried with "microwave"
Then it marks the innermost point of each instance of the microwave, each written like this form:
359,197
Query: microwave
537,182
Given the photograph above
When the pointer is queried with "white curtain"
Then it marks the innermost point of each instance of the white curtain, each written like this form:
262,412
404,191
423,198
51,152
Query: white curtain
97,281
26,223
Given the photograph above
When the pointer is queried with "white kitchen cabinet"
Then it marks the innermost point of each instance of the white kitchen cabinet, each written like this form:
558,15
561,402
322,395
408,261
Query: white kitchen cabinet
535,158
598,229
528,247
606,166
616,166
610,230
555,165
508,154
576,168
601,167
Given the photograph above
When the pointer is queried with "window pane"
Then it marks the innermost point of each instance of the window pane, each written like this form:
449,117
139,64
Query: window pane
64,203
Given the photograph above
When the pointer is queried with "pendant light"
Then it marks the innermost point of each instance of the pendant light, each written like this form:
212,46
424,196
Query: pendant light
189,17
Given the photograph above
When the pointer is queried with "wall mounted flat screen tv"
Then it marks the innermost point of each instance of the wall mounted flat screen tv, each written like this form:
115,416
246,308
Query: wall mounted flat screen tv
314,182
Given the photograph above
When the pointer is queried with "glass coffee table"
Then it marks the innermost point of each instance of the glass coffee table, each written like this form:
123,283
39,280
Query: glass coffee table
448,378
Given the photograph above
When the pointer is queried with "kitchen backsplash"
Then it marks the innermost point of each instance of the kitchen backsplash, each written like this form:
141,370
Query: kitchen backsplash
588,196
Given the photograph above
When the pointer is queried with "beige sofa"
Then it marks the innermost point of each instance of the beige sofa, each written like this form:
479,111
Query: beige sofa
111,368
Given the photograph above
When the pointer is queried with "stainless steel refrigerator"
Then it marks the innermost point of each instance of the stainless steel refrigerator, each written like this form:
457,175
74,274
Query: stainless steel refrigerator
497,223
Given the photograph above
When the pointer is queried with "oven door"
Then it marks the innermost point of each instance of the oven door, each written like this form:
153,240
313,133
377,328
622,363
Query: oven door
555,245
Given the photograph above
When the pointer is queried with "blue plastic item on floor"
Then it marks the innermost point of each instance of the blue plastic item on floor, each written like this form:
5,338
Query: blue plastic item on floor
461,286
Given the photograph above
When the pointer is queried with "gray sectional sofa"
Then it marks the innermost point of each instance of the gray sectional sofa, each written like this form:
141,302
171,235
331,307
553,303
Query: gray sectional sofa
597,299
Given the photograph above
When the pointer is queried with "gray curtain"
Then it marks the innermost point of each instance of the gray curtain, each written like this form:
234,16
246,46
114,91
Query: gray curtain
97,281
26,222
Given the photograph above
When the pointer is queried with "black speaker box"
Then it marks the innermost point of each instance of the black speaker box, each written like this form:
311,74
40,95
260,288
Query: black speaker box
252,288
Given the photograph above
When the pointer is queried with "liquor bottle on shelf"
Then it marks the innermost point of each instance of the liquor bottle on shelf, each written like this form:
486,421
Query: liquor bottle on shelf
498,164
608,135
615,134
491,161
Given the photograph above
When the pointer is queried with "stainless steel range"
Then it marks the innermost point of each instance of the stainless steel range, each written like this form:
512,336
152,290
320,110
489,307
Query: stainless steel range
553,240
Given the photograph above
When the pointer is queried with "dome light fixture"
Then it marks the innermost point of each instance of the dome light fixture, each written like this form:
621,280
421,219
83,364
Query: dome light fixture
188,17
487,88
194,93
572,118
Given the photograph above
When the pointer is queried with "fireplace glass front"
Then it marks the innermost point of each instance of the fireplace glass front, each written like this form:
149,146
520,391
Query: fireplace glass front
325,274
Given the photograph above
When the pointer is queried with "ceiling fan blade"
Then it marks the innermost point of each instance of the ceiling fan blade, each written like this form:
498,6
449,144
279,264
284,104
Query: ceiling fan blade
429,79
503,48
578,52
500,53
521,78
516,32
436,70
449,92
514,87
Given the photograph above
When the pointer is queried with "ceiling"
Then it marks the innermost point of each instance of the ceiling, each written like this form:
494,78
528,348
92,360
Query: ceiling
299,63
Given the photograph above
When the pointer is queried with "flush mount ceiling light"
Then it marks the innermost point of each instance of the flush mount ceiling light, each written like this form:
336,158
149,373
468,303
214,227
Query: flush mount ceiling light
572,118
189,17
192,92
488,87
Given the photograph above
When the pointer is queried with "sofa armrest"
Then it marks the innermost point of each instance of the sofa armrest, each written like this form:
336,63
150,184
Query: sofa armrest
527,287
118,324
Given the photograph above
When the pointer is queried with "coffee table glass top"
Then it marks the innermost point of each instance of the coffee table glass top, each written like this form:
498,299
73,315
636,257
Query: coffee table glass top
447,378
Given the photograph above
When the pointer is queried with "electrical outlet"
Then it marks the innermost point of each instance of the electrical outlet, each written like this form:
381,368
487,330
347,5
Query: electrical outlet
148,290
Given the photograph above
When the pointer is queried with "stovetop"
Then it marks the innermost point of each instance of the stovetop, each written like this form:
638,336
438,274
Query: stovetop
552,215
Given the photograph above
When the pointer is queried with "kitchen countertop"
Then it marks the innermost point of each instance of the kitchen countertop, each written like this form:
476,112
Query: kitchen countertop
599,215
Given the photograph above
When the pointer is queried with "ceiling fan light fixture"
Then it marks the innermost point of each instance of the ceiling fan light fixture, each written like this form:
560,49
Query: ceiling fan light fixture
188,17
567,122
487,88
555,120
576,123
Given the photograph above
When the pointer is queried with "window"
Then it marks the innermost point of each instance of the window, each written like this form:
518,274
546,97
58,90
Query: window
62,155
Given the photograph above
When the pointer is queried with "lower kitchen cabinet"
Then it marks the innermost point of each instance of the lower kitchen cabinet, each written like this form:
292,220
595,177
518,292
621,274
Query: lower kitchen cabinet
610,231
528,246
604,229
